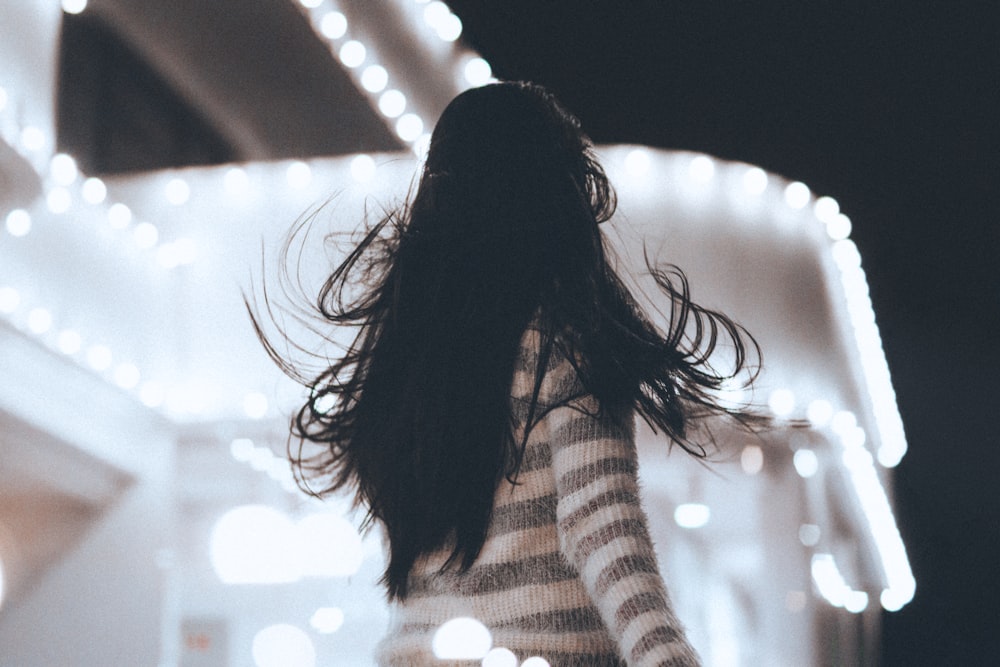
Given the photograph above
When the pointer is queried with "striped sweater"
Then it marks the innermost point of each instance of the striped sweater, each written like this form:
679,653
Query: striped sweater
568,570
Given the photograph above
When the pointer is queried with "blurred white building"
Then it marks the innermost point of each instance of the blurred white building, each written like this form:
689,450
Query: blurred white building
137,409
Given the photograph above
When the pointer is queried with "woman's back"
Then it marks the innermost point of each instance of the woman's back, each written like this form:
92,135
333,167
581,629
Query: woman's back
567,571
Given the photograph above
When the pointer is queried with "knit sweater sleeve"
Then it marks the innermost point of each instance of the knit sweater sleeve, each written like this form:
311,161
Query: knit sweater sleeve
603,530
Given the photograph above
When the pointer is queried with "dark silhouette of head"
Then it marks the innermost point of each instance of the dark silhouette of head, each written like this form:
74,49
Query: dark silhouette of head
502,233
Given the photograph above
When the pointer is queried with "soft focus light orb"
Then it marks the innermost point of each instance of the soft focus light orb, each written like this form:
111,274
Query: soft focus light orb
363,168
145,235
69,342
701,169
819,412
93,191
500,657
39,320
236,181
754,181
535,661
352,53
477,71
392,103
462,638
298,175
255,405
99,357
856,601
152,394
692,515
409,127
839,227
752,459
637,162
781,402
310,4
166,256
327,620
331,546
74,6
826,209
10,299
241,449
177,191
63,169
333,25
186,250
254,544
843,421
59,200
3,98
809,534
435,14
797,195
283,645
32,138
805,462
450,28
18,222
126,376
374,79
119,216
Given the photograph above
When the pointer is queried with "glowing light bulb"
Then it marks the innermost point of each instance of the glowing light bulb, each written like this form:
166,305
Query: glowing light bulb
797,195
839,227
94,191
819,413
536,661
177,191
462,638
701,169
637,162
99,357
18,222
450,28
63,169
374,79
805,462
10,299
236,181
119,216
809,534
333,25
692,515
58,200
477,72
283,645
500,657
69,342
255,405
74,6
392,103
826,209
126,376
39,320
363,168
299,175
352,53
327,620
32,138
781,402
409,127
754,181
145,235
752,459
152,394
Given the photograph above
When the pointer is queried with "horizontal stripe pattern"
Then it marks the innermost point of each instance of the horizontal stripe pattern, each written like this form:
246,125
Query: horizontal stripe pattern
568,571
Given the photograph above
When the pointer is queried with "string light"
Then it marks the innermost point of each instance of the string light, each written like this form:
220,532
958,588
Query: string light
477,71
754,181
797,195
374,78
18,222
93,191
392,103
74,6
352,54
333,25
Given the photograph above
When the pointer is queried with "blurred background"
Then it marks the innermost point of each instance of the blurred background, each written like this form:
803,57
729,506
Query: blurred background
806,165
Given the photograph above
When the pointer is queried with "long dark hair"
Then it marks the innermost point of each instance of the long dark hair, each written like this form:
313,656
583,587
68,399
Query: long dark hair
501,234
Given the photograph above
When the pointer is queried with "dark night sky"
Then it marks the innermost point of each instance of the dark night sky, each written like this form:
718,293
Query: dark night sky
889,107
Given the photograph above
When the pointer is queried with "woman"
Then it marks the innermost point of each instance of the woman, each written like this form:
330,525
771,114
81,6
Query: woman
484,414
